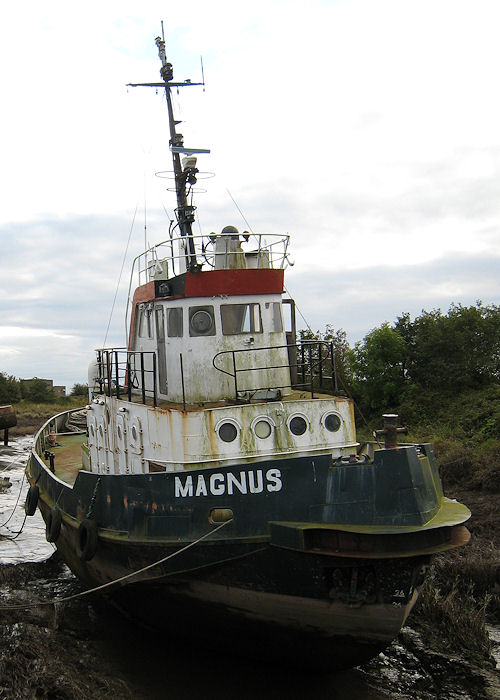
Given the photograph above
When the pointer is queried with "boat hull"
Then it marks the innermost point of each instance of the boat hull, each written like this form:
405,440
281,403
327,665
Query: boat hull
318,563
256,599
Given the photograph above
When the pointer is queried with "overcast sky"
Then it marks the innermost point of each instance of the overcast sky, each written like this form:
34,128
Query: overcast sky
366,129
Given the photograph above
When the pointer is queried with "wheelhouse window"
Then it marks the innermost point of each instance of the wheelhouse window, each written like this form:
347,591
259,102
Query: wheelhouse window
201,321
144,322
240,318
174,322
277,318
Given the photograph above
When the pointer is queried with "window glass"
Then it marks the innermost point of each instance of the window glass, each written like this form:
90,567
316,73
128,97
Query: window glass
201,321
277,325
174,322
144,322
240,318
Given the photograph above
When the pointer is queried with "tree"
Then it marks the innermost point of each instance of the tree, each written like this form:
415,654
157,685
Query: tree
455,351
378,365
79,390
37,390
9,389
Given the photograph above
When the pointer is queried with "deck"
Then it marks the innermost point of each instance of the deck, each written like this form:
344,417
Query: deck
67,456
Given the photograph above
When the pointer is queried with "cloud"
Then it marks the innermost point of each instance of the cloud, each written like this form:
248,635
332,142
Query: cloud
359,300
365,130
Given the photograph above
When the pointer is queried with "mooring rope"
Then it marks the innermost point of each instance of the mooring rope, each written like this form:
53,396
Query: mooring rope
135,573
18,497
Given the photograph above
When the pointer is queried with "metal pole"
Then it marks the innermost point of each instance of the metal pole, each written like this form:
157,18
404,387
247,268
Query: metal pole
320,368
311,371
129,380
117,376
109,373
334,369
182,382
154,381
143,386
235,380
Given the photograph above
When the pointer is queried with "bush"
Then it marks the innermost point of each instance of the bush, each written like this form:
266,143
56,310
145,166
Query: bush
79,390
37,390
9,389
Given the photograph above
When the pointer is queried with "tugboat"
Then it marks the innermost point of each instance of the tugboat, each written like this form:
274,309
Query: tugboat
217,479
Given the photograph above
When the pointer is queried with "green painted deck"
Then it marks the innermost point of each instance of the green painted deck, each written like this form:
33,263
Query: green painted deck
67,456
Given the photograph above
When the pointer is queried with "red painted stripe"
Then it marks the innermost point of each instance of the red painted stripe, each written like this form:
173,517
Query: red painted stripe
217,282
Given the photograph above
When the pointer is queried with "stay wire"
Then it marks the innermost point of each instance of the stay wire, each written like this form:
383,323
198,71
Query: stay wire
120,275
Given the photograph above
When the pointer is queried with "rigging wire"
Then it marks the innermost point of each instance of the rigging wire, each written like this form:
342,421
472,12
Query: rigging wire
120,275
242,214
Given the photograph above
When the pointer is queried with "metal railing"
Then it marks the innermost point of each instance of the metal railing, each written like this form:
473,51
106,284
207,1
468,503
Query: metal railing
164,259
125,373
311,364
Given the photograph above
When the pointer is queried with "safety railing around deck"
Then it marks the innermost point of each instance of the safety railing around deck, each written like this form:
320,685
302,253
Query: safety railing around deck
125,373
171,257
311,364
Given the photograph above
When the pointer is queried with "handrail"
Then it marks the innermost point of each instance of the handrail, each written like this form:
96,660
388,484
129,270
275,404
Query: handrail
162,253
311,366
119,369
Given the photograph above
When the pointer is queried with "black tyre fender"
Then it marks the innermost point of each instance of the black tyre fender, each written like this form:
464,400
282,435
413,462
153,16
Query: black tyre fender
31,500
53,525
87,539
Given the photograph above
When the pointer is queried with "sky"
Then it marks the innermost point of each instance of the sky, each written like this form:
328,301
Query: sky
368,130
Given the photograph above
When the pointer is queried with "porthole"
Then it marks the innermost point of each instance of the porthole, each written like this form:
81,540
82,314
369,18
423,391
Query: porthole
227,432
135,434
262,428
107,415
119,432
297,425
101,431
332,422
92,430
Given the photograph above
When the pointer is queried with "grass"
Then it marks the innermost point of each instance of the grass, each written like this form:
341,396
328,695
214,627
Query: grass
459,595
31,415
462,590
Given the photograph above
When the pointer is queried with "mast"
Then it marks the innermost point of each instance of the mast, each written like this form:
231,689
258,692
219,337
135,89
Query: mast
185,212
184,172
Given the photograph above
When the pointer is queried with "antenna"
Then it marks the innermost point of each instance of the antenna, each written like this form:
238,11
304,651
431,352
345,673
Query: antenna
162,32
202,74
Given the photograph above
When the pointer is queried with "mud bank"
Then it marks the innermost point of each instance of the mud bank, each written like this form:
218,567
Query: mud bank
85,648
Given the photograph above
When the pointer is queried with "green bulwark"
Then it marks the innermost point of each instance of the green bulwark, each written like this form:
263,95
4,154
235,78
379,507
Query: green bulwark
398,494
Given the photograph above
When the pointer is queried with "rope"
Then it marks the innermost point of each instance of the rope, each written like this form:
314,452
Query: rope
6,537
18,497
128,576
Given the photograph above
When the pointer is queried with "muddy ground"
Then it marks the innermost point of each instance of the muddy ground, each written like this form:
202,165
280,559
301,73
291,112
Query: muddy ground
87,649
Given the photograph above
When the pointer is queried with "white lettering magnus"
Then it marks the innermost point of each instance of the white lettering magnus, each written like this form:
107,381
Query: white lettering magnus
220,484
